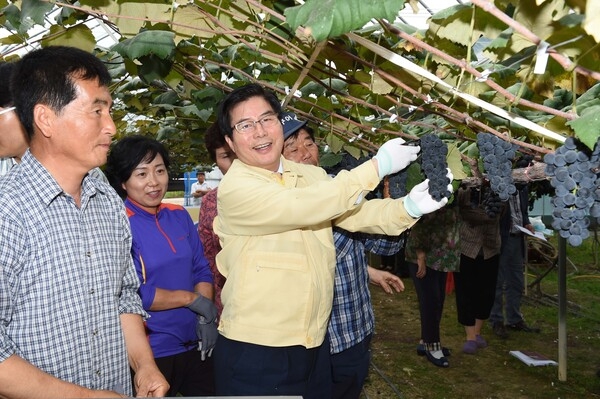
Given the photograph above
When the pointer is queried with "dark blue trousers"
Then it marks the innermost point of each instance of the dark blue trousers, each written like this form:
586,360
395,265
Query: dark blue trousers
349,370
244,369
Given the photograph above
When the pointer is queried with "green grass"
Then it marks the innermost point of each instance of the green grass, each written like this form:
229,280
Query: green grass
397,371
586,254
174,194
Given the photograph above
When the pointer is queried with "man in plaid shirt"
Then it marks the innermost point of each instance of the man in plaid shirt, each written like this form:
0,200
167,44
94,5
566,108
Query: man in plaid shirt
70,316
352,320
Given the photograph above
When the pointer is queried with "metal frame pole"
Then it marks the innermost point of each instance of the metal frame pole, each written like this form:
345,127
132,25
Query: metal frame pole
562,309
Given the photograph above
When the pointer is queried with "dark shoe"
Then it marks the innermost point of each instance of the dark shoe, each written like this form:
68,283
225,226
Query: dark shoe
521,326
470,347
441,362
481,342
500,330
422,350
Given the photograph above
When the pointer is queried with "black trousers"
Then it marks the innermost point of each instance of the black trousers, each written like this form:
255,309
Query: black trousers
187,374
475,288
431,292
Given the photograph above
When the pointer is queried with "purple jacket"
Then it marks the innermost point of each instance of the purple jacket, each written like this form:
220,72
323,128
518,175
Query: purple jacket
167,254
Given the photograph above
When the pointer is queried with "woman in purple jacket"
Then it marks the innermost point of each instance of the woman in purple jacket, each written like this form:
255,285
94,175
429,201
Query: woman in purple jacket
175,278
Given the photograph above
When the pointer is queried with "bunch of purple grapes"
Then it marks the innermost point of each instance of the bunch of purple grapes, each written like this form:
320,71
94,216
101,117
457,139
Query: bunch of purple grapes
575,178
492,204
497,156
484,197
595,167
434,166
397,184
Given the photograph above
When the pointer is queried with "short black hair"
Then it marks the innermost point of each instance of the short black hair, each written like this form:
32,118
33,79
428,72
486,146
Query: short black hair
213,140
6,71
47,76
239,95
308,129
126,154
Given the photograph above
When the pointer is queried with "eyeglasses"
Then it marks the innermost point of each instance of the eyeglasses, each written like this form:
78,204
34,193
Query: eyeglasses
247,127
7,110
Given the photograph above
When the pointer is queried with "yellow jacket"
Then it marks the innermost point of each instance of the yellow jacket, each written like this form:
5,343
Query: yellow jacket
277,246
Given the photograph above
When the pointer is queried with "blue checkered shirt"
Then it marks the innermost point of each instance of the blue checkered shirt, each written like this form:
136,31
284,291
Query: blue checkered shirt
66,276
352,318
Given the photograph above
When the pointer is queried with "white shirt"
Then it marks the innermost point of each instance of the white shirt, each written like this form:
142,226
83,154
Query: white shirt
198,186
6,164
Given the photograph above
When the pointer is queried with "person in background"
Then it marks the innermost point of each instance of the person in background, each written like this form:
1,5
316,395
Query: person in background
13,138
506,312
222,155
431,251
352,321
70,318
176,282
475,283
274,223
199,189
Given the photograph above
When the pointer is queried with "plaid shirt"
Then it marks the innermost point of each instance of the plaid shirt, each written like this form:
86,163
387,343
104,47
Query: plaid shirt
478,234
352,318
66,277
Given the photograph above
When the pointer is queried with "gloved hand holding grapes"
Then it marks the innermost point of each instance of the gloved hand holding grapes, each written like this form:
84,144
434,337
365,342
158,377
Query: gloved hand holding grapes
419,201
392,156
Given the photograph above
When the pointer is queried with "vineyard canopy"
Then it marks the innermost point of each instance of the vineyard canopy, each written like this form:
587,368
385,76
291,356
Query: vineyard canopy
524,70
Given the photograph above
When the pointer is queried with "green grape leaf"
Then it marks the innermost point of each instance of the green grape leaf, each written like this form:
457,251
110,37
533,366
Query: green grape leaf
592,19
454,24
330,159
586,126
334,142
454,162
331,18
79,36
151,42
35,11
352,150
131,14
414,175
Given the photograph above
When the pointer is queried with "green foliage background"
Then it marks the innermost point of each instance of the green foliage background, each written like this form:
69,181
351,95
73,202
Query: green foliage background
174,60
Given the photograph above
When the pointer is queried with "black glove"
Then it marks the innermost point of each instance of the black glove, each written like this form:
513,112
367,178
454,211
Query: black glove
207,334
203,306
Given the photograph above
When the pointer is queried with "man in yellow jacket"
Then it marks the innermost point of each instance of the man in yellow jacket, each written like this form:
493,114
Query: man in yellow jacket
274,222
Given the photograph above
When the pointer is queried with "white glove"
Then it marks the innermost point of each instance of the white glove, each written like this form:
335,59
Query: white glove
392,156
419,202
